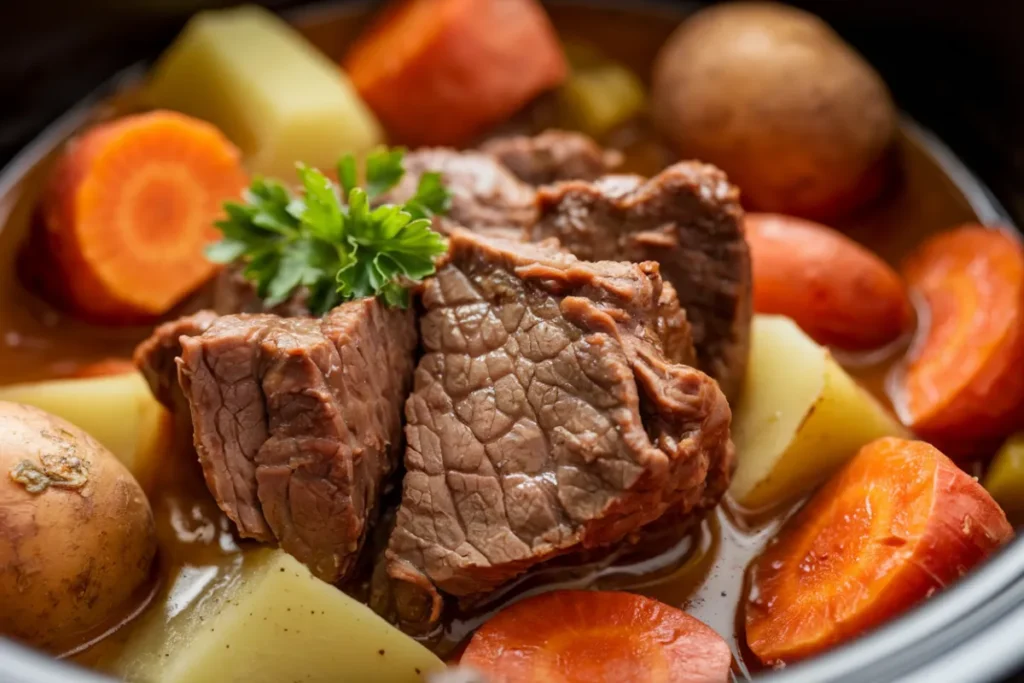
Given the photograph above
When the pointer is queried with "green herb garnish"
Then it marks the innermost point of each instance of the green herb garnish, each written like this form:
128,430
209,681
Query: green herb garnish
330,240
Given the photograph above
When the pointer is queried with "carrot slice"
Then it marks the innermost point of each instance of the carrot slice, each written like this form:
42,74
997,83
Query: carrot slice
899,522
962,383
592,636
437,72
129,208
836,290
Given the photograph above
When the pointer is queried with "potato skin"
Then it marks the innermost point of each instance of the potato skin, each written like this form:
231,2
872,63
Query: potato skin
75,551
772,95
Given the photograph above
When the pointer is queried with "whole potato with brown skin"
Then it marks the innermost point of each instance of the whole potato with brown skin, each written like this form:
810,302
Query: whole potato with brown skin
773,96
76,532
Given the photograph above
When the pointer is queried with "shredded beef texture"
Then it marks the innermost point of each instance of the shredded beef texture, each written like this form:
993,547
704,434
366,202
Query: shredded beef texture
297,423
553,155
688,218
545,418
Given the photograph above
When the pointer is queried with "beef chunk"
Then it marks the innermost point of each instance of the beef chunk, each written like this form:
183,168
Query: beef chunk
298,423
155,357
688,218
552,155
233,293
545,418
485,195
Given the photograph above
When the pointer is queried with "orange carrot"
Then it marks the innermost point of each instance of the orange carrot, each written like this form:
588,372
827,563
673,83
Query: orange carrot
104,368
963,381
437,72
593,636
899,522
837,291
129,210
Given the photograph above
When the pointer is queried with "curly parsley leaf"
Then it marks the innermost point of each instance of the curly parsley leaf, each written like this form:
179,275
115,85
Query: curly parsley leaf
330,239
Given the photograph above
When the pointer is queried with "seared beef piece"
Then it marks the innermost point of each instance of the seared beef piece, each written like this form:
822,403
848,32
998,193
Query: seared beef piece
298,423
485,195
553,155
155,357
688,218
545,418
233,293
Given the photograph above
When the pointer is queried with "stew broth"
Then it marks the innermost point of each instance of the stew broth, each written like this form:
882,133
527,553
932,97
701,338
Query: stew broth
702,572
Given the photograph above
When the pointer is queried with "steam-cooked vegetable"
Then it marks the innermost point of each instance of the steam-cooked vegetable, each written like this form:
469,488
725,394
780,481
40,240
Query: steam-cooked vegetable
773,96
76,532
119,411
599,95
130,208
1005,478
337,252
273,622
267,88
799,418
839,293
583,636
438,72
900,522
962,384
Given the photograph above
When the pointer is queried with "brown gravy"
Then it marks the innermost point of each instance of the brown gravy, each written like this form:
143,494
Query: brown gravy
703,571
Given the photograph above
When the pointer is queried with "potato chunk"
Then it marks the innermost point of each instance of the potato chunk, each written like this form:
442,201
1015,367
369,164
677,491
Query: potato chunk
274,621
1005,478
799,418
270,91
119,411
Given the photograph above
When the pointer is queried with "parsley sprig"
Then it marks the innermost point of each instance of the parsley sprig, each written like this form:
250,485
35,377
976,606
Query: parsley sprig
331,240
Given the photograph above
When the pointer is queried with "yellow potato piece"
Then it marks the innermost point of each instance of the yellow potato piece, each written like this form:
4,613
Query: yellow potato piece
1005,478
270,622
799,418
118,411
268,89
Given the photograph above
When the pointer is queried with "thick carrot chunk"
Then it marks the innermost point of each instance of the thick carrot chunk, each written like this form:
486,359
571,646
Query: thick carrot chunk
899,522
437,72
129,209
837,291
963,384
594,636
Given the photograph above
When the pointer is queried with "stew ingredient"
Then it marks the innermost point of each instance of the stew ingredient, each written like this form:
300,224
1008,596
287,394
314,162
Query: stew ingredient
269,619
272,93
582,636
77,540
776,99
1005,478
438,72
839,292
799,418
961,385
900,522
119,411
129,210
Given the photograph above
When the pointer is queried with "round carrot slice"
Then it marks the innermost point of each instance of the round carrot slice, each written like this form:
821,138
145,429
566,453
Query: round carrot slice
899,522
592,636
962,383
131,206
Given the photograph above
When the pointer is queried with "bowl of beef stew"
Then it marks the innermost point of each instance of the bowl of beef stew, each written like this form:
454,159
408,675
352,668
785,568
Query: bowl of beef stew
509,341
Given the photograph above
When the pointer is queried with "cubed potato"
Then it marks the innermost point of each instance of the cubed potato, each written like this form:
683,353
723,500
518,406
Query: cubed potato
1005,478
273,621
268,89
119,411
799,418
